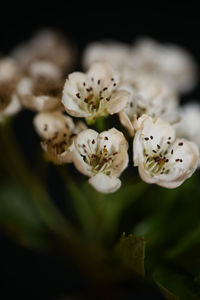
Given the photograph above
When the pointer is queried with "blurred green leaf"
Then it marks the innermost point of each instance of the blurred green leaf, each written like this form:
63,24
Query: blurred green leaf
19,218
131,250
166,293
177,282
187,242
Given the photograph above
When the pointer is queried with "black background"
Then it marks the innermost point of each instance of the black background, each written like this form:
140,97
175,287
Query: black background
25,274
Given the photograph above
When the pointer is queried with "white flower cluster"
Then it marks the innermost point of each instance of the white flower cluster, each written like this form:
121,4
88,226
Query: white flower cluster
141,83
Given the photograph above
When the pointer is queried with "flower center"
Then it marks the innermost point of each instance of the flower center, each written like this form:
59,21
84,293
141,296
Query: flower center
97,157
93,98
47,86
158,161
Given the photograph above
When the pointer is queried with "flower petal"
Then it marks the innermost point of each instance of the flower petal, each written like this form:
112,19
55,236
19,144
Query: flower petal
156,130
105,73
113,139
49,124
105,184
82,145
118,101
73,87
46,69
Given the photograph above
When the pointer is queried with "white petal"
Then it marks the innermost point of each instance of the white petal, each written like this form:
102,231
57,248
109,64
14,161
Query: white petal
46,69
72,87
40,103
105,184
126,122
157,128
113,53
116,142
113,139
118,101
46,44
47,124
8,69
25,86
58,159
13,107
189,125
84,138
188,153
80,126
120,163
104,72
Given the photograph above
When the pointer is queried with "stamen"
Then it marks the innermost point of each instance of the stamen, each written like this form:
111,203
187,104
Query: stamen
45,127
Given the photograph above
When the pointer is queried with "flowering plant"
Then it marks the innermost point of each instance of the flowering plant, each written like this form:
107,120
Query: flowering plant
123,111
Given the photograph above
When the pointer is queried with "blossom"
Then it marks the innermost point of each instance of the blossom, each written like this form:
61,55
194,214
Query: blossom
40,93
162,158
9,102
57,132
102,157
42,68
94,94
48,45
189,125
114,53
151,97
170,62
8,69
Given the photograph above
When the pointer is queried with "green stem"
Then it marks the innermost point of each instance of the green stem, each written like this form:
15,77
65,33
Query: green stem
83,209
100,124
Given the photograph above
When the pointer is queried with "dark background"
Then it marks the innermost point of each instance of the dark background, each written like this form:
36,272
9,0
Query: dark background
25,274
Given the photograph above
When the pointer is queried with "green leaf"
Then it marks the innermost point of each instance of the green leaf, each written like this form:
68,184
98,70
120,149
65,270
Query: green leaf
131,250
166,293
19,218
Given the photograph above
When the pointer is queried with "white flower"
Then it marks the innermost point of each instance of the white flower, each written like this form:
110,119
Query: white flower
151,97
47,69
171,62
9,102
8,69
189,125
40,93
57,132
48,45
102,157
94,94
113,53
161,158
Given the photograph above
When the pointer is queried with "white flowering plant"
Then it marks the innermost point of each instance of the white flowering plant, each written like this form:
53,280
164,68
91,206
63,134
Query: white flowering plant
120,123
